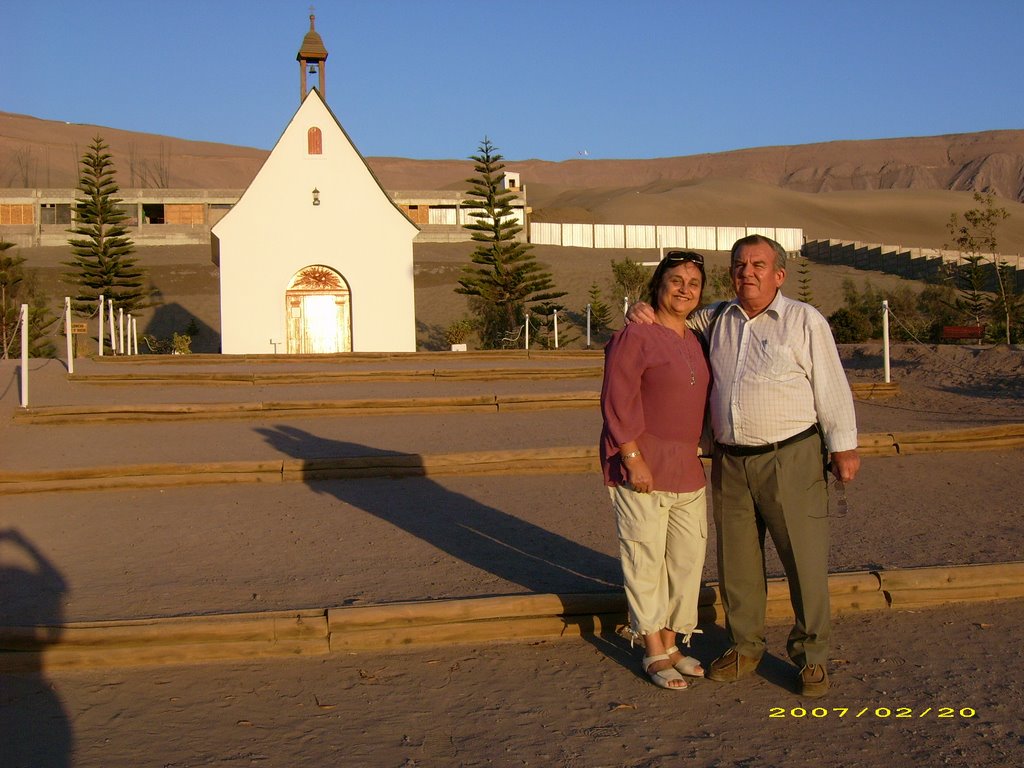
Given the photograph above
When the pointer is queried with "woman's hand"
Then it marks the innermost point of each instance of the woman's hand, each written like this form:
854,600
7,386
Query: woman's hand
641,312
639,474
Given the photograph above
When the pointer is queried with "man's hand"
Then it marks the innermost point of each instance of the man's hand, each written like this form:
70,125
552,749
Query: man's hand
641,312
845,465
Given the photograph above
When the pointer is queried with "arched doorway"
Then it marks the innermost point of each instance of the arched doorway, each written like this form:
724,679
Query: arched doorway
318,303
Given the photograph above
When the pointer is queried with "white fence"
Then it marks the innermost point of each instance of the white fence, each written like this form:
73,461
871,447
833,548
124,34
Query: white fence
657,236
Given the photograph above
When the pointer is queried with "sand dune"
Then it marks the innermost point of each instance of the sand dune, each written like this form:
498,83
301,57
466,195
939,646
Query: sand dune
895,191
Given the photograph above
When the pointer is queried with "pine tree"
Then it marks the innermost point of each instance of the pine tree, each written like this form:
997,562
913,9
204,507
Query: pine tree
15,290
804,293
102,263
507,279
11,277
600,312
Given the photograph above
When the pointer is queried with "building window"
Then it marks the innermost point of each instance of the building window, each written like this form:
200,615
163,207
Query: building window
16,213
417,214
190,214
316,141
55,213
443,214
153,213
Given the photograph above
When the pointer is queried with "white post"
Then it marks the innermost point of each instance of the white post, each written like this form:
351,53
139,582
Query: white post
100,335
68,334
556,328
24,355
527,329
120,330
588,326
625,305
129,337
135,335
885,338
113,336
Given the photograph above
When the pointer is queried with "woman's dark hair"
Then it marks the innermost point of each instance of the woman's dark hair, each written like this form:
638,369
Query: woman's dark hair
674,259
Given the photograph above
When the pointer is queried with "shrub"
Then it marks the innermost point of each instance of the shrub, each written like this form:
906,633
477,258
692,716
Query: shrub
458,331
849,326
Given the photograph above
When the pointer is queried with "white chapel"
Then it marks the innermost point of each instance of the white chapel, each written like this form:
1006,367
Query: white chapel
315,257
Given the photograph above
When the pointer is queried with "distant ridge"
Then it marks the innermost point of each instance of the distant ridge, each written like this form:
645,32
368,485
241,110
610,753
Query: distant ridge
866,181
41,153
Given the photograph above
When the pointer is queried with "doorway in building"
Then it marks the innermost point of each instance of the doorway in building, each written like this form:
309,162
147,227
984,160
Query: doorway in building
318,303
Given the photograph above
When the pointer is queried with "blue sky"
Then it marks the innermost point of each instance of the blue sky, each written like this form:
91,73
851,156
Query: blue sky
549,79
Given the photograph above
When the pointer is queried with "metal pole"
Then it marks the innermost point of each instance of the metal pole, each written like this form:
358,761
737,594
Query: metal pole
129,337
588,326
24,355
527,329
100,336
120,330
885,337
556,328
68,334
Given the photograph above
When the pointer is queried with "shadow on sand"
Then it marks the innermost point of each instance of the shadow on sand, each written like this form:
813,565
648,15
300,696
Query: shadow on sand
480,535
34,727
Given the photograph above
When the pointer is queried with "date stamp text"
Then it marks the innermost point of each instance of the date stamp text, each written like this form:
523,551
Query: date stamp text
876,713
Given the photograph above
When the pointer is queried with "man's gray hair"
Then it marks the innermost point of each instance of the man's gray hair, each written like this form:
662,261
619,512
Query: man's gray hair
780,252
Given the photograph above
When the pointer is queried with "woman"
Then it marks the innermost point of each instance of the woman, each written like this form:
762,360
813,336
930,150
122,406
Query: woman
656,383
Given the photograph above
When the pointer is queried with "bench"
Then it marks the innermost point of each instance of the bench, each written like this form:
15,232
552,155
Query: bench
961,332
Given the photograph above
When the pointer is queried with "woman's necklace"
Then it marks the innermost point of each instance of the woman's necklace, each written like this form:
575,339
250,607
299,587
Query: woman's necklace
689,363
684,351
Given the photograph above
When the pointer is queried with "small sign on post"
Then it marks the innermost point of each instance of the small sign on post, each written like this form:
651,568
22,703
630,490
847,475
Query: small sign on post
79,328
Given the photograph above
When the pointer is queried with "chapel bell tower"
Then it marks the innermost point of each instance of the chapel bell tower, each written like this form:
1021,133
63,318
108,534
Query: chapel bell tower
312,58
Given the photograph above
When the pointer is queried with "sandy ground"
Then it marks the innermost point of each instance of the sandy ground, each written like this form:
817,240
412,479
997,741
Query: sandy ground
940,686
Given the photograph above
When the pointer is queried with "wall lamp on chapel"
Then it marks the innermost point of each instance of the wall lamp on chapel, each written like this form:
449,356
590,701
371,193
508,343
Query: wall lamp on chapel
316,196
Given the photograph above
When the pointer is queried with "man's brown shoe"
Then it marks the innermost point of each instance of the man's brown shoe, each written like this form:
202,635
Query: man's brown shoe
813,680
732,666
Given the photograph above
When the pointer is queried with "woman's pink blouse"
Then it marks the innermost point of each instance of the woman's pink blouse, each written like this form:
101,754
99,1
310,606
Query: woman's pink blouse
647,397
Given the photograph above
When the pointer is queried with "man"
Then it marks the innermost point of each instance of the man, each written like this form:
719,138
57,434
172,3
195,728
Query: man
781,415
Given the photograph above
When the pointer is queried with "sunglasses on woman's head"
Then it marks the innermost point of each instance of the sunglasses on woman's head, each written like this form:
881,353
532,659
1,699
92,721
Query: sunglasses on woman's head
681,257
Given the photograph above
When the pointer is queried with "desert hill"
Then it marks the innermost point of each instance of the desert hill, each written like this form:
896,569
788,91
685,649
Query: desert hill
896,191
45,153
987,161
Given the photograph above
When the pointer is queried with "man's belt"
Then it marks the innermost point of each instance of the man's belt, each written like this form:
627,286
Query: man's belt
756,450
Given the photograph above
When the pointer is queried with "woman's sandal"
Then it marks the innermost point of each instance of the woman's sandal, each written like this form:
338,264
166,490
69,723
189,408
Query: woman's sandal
686,665
663,677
